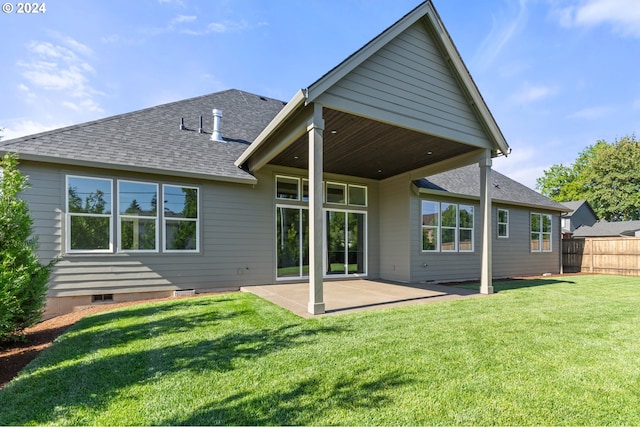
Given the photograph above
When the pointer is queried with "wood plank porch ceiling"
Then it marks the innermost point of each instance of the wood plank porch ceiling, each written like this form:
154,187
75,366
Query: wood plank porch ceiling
357,146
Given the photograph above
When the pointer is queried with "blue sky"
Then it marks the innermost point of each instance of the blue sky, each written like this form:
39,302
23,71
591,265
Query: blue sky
558,75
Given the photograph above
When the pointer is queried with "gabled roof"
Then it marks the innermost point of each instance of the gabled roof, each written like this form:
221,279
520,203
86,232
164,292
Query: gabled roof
465,182
575,205
151,140
608,229
289,127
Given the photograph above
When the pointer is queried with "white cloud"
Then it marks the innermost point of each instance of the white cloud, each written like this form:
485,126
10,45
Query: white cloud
183,18
592,113
60,70
622,15
531,93
521,166
18,128
502,31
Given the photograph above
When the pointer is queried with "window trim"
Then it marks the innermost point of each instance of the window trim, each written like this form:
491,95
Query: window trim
293,178
366,195
196,220
344,193
541,233
440,227
69,215
506,224
121,216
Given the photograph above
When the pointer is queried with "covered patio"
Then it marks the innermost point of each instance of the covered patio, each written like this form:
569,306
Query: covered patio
347,296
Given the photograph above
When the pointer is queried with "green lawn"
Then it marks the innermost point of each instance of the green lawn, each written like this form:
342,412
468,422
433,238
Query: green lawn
542,352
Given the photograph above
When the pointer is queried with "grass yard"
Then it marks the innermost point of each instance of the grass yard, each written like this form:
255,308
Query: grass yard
543,352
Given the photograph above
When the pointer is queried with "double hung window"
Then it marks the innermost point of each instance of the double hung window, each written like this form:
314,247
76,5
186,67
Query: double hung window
540,232
447,227
92,209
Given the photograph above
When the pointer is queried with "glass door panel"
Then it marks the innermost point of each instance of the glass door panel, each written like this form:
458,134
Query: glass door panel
356,243
336,256
288,242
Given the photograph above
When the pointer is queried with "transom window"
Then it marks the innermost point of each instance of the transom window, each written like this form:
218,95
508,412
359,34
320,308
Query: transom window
91,212
540,232
336,193
447,227
503,223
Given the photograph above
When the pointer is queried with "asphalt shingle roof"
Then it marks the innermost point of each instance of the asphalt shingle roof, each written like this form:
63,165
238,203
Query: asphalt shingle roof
151,139
466,181
608,229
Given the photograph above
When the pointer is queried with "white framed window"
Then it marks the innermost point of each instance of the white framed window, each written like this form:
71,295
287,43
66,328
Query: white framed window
357,195
287,188
336,193
137,216
465,228
503,223
541,232
89,214
181,218
430,226
447,227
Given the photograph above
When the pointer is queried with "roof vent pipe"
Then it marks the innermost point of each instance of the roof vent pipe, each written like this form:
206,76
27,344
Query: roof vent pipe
216,135
200,130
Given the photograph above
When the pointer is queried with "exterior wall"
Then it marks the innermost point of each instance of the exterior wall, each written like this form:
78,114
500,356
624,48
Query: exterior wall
408,82
237,232
582,216
511,256
394,230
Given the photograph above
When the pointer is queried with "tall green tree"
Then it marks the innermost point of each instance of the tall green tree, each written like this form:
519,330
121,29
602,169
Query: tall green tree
607,175
23,279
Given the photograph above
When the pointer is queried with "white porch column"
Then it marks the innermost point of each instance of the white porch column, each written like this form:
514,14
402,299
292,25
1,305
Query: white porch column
315,129
486,284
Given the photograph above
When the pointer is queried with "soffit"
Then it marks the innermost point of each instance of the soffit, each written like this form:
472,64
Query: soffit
357,146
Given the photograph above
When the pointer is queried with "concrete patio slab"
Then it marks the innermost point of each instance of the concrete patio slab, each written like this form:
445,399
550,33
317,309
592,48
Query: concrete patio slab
355,295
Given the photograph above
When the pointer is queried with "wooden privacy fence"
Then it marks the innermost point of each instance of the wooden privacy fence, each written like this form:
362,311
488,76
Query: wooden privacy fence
607,255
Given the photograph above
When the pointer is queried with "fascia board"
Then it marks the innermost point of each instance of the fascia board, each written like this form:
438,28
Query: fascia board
467,80
441,193
361,55
289,110
140,169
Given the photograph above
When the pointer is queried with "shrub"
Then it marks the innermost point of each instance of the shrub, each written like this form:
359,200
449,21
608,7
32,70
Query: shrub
23,280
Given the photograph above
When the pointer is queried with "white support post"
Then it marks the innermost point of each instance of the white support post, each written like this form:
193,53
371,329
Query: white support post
315,130
486,284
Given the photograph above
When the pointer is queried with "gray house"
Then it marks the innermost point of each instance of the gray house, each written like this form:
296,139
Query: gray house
327,186
580,214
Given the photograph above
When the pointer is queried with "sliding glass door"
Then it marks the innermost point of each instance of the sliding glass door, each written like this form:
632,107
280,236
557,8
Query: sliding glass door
345,243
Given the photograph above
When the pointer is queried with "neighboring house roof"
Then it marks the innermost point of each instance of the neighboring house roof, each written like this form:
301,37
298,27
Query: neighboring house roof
465,182
151,140
608,229
576,205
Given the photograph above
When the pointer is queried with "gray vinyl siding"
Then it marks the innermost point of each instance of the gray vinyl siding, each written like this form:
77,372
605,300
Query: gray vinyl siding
394,230
408,82
511,256
237,237
236,232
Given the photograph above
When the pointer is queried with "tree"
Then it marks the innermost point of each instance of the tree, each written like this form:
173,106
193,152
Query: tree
607,175
23,280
